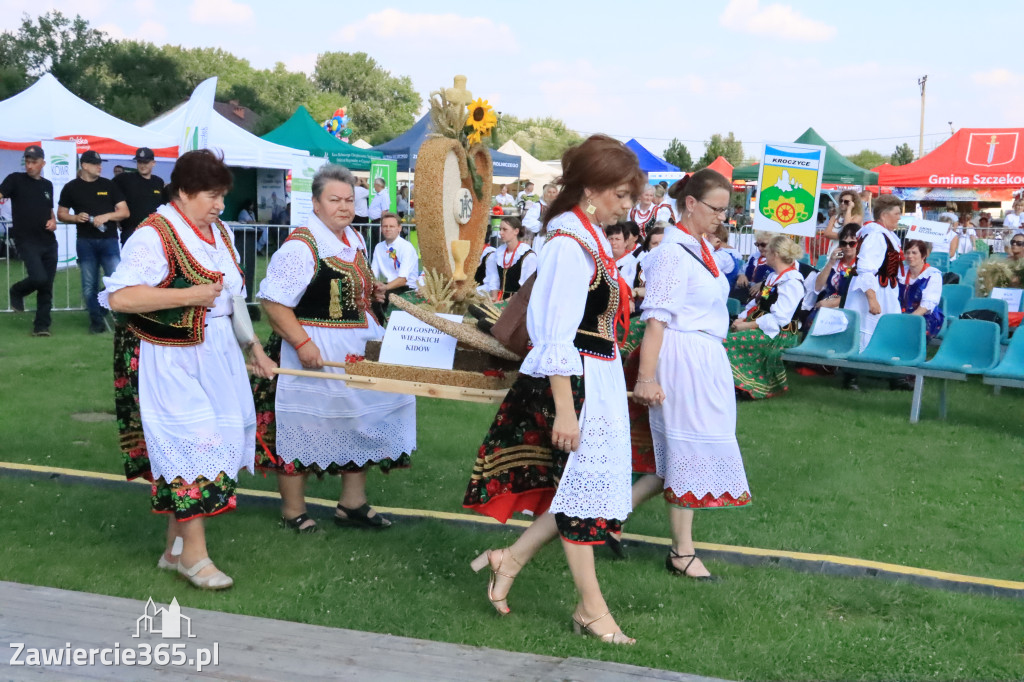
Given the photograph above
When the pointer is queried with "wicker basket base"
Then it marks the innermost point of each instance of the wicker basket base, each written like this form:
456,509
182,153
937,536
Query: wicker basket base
443,377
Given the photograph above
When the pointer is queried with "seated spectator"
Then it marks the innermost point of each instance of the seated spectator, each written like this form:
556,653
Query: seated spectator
246,214
728,263
965,236
756,271
921,289
402,201
832,281
767,326
503,198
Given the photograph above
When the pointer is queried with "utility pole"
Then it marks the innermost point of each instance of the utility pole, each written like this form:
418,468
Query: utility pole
920,144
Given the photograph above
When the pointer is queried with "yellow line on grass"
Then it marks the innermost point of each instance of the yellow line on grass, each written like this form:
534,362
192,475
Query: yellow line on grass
486,520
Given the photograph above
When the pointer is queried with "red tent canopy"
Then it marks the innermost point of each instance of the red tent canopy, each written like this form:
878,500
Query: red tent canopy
722,165
972,157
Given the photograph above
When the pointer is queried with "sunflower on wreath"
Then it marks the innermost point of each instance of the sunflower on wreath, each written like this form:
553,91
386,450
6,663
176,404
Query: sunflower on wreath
480,121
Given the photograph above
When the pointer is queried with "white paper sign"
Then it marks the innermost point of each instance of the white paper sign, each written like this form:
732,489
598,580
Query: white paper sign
302,173
1011,296
829,321
413,343
933,231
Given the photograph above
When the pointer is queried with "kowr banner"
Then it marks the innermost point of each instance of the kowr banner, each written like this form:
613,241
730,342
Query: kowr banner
60,169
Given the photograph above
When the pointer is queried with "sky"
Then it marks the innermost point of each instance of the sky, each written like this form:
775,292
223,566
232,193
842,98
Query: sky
654,71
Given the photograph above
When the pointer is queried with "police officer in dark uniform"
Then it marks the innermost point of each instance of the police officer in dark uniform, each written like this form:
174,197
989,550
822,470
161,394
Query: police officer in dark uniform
142,190
31,198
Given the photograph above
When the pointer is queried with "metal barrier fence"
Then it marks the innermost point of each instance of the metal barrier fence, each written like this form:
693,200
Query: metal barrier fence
255,244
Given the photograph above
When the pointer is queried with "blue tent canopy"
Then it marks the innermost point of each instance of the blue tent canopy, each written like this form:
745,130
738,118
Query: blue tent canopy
649,162
406,147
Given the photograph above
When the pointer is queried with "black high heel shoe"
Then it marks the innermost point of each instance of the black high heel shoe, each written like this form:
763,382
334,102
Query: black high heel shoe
671,566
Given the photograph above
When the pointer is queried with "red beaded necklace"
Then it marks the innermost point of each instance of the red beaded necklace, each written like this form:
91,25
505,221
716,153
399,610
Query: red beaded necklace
705,252
509,257
211,240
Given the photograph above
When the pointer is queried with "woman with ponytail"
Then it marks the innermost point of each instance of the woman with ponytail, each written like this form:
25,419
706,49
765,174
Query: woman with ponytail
560,444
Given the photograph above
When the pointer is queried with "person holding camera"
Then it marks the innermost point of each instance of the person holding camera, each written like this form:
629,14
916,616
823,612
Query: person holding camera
93,204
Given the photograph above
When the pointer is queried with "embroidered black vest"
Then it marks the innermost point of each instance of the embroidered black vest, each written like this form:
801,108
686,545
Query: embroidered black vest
889,272
767,298
481,270
596,334
510,278
185,326
339,293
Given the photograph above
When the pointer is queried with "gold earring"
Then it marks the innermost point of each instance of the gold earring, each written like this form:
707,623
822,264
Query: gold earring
591,209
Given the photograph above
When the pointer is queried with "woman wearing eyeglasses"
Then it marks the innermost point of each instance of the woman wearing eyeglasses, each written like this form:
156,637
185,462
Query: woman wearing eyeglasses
767,326
833,280
851,210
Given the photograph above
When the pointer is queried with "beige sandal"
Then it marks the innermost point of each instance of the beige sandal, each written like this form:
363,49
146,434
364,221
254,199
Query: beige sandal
214,581
485,560
582,628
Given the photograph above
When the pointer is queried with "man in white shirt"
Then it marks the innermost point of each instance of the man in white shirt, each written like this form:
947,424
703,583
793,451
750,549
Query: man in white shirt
1011,220
534,218
395,262
381,202
503,198
361,193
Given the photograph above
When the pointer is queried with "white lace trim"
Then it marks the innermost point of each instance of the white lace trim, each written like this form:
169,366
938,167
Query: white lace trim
553,359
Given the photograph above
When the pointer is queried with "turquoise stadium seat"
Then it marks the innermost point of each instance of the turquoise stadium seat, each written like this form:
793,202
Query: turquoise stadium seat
734,306
954,297
974,256
996,305
970,347
1012,364
897,340
833,346
939,260
822,262
961,265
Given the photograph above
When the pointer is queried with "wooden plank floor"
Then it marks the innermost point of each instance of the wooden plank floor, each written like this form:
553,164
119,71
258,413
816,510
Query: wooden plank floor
251,648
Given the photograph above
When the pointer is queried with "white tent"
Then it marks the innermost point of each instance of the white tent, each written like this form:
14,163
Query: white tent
240,147
362,144
529,167
48,111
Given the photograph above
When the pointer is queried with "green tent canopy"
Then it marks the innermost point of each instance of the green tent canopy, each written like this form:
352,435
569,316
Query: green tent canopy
838,169
302,132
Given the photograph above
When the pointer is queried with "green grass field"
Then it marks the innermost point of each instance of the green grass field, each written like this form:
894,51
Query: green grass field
830,472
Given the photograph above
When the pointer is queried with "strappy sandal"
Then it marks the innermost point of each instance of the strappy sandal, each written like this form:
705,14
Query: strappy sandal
582,628
214,581
361,517
485,560
671,566
296,524
616,546
166,565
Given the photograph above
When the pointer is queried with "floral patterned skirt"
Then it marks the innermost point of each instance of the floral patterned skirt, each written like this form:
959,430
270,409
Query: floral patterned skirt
188,501
517,469
264,396
756,360
126,404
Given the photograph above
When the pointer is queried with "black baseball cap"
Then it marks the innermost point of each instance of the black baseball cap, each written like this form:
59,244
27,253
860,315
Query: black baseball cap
34,151
144,154
91,157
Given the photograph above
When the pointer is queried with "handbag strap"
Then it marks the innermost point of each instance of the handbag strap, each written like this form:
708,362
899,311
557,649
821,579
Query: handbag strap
696,258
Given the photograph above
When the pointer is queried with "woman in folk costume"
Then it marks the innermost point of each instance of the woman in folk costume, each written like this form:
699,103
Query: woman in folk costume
874,288
767,326
921,287
481,270
317,295
559,445
648,211
829,287
184,406
513,262
684,376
